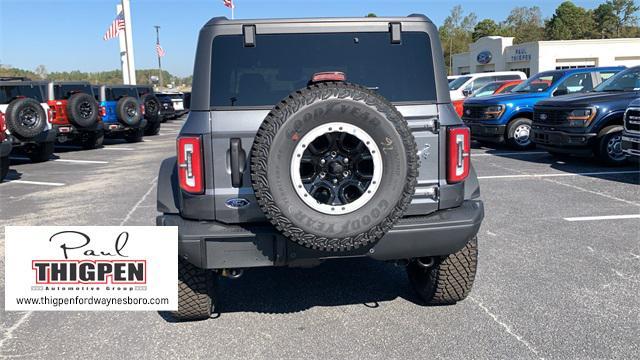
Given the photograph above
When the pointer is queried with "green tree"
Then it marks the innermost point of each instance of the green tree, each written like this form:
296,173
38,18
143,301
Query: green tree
525,24
371,15
486,27
455,33
617,18
570,22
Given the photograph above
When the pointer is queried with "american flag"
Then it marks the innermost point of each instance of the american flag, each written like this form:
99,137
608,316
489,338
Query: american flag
160,50
115,27
228,3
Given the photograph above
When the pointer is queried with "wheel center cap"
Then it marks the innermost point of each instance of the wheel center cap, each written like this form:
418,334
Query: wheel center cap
335,168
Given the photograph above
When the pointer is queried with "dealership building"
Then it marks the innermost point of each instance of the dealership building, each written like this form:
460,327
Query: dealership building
497,53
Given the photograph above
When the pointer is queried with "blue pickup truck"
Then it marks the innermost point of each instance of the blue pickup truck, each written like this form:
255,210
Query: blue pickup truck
590,123
122,111
507,118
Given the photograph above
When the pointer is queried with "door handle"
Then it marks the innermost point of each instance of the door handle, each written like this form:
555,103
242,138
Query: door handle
237,162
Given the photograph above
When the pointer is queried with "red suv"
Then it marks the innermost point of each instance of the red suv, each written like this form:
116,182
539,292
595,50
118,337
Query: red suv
75,113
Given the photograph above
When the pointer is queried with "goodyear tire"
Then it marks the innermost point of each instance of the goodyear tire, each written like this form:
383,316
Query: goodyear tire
151,108
82,110
196,292
25,118
128,111
334,166
449,279
4,167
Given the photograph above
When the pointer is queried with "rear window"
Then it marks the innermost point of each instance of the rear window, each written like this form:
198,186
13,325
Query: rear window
64,91
282,63
113,94
10,92
144,90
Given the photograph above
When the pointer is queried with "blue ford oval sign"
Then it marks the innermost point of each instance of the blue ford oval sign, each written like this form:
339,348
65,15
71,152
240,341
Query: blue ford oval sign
237,203
484,57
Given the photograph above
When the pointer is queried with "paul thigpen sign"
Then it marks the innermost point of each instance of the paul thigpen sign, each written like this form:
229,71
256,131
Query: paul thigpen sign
91,268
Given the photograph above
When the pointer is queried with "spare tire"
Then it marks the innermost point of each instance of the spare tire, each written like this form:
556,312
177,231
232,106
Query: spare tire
151,107
25,118
128,111
334,166
82,110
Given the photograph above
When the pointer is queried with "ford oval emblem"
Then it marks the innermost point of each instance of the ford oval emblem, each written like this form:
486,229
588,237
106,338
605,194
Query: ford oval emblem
543,117
484,57
237,203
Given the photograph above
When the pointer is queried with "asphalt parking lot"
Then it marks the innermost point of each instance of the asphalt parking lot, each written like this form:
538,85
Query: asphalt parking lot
558,277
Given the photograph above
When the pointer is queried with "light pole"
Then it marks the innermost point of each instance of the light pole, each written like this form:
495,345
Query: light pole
158,52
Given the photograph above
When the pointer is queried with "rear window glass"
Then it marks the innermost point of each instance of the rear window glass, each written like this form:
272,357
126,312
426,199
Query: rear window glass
64,91
10,92
114,94
144,90
282,63
457,83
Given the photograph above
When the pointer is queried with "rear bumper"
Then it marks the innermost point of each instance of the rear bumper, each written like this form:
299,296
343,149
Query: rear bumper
67,131
5,148
631,143
487,132
214,245
44,137
563,142
116,127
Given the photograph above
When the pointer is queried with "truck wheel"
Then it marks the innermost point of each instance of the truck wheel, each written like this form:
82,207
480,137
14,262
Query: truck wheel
128,111
4,167
152,129
519,134
196,292
25,118
92,140
334,166
40,152
134,136
151,107
449,279
82,110
609,146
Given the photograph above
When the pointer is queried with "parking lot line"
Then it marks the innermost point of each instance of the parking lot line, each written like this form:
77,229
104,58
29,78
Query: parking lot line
118,148
67,160
509,153
34,183
558,174
606,217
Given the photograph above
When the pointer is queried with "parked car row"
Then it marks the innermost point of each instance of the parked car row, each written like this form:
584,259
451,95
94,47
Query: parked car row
572,111
34,115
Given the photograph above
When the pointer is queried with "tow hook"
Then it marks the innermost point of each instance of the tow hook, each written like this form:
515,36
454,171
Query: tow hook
232,273
425,262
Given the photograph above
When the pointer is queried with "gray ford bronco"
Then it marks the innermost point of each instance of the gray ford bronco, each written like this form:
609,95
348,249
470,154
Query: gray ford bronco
317,139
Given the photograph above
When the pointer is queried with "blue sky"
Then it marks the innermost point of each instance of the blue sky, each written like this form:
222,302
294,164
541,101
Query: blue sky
67,34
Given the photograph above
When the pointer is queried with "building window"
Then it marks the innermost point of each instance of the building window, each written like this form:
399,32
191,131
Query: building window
565,67
524,70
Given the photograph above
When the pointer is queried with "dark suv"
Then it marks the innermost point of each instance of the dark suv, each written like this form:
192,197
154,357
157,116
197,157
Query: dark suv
151,109
589,123
317,139
631,134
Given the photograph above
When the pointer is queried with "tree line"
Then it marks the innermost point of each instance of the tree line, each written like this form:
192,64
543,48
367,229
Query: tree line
611,19
143,76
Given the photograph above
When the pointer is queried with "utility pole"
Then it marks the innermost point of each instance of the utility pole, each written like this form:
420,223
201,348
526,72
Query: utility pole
158,53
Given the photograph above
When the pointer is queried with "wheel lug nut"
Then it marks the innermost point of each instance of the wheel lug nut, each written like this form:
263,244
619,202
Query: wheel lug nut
335,181
322,161
345,174
334,154
322,175
346,160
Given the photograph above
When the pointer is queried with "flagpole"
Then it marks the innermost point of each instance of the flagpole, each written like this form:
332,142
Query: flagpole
233,7
126,11
158,43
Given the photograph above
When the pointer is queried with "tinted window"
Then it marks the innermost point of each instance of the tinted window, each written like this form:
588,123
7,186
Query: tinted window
628,80
478,83
487,90
576,83
455,84
64,91
508,88
539,82
113,94
282,63
507,77
10,92
144,90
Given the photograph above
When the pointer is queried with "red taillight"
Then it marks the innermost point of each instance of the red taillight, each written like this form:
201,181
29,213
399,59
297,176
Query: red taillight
103,111
458,154
190,166
3,127
328,76
458,105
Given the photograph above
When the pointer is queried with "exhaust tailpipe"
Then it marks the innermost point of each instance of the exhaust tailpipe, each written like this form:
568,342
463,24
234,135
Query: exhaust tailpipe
425,262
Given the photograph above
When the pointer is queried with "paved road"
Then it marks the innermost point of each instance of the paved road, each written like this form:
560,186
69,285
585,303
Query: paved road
547,287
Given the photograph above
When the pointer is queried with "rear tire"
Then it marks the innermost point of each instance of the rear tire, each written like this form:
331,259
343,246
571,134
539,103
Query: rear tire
449,279
519,134
152,129
608,147
4,167
196,292
134,136
92,140
40,152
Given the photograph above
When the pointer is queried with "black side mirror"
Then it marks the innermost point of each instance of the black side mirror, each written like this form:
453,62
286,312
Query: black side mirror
466,92
560,92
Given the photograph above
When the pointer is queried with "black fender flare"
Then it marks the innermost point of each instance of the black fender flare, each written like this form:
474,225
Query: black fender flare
168,198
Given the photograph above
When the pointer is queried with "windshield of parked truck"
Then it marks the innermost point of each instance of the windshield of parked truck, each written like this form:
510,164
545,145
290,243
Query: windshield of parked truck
539,82
628,80
457,83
